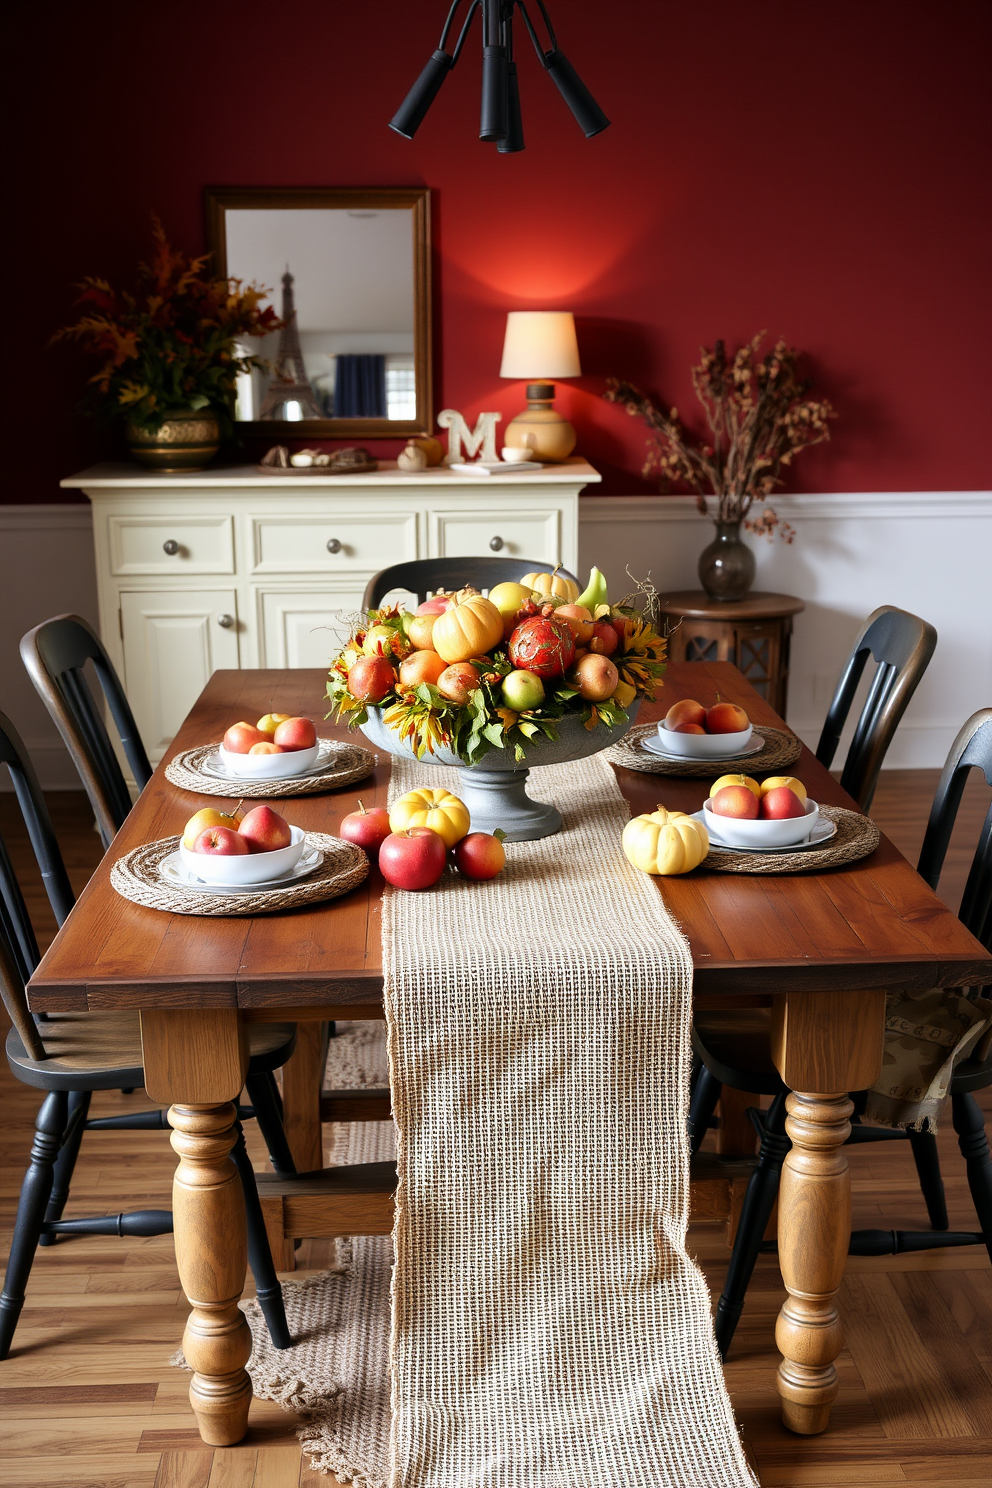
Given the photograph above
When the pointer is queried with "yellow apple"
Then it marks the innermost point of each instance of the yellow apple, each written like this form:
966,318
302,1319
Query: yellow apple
270,722
726,780
203,821
789,781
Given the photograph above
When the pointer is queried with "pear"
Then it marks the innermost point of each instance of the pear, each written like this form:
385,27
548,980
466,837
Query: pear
595,592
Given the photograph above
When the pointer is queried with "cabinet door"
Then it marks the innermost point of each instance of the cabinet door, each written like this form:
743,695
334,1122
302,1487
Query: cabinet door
302,627
173,641
508,533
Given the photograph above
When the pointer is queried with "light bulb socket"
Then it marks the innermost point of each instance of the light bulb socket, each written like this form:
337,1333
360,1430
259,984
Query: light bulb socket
412,111
514,140
493,118
588,114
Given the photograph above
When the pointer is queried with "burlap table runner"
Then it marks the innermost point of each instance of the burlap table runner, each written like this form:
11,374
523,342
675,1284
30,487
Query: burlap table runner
548,1327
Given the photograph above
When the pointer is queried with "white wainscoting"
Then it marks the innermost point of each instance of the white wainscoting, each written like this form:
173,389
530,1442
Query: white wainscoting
926,551
47,567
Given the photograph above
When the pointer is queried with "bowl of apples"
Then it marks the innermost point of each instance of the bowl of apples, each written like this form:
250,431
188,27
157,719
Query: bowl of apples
275,748
691,731
259,847
775,814
534,673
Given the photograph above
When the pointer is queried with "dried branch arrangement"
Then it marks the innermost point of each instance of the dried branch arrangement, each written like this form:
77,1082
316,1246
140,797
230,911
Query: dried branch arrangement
760,415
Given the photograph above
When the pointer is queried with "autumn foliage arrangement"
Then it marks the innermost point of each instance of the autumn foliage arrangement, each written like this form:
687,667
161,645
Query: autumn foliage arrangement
170,346
760,414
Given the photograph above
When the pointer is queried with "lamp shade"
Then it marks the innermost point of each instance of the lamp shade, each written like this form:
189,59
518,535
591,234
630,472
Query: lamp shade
540,343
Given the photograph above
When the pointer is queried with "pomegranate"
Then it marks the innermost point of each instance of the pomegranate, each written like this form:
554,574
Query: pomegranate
543,645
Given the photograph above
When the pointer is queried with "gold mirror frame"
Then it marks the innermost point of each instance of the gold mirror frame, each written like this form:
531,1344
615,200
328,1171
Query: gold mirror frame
416,199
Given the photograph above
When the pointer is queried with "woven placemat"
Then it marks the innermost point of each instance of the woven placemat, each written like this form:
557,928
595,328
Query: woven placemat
781,749
347,763
136,877
856,837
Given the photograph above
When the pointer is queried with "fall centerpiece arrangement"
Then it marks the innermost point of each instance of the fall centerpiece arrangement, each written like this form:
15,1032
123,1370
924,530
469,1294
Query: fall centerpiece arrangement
760,415
533,674
170,353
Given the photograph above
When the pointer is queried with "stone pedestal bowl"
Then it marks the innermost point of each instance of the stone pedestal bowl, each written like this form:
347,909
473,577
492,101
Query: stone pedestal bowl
495,790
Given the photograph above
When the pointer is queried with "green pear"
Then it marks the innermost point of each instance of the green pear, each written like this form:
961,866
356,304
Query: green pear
595,592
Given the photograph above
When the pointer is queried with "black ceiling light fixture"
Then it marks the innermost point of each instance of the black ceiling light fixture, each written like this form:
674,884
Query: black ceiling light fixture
500,121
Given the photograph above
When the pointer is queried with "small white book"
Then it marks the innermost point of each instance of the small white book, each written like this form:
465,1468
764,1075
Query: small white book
494,467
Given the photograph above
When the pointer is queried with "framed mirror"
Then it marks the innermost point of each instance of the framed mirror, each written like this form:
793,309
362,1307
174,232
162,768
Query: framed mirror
348,270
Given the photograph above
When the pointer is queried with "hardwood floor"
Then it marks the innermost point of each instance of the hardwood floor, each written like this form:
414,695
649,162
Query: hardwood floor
88,1399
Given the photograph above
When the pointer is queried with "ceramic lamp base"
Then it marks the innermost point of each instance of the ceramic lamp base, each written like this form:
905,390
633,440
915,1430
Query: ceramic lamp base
540,428
498,798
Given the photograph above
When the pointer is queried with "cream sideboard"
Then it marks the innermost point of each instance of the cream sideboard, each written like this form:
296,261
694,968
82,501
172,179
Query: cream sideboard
230,568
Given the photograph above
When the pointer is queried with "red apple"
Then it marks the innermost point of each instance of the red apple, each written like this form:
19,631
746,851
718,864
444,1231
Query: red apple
735,800
414,859
726,718
780,804
457,681
241,736
419,631
543,645
295,733
422,666
436,605
687,728
371,678
221,842
367,829
596,678
265,830
687,711
266,749
479,856
604,638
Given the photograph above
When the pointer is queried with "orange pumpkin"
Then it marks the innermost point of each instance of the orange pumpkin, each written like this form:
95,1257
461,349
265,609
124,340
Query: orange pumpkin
467,629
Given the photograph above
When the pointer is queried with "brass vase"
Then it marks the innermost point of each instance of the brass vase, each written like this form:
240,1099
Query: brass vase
186,441
726,566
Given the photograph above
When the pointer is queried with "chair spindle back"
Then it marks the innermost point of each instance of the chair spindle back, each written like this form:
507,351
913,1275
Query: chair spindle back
971,750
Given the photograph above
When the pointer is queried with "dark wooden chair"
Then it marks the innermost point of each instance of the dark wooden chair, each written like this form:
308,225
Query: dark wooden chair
70,1055
901,645
425,576
735,1049
55,654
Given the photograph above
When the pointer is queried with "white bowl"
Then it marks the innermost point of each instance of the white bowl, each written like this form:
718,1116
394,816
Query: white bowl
704,746
732,831
270,766
248,868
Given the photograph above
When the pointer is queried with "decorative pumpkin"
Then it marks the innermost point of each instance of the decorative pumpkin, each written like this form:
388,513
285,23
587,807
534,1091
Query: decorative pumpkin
553,584
467,629
665,842
444,813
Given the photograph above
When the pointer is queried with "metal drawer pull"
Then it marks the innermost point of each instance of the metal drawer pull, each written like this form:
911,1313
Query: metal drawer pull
225,621
334,545
496,543
171,547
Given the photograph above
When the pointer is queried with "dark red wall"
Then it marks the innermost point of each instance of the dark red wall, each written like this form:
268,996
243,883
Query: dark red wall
817,169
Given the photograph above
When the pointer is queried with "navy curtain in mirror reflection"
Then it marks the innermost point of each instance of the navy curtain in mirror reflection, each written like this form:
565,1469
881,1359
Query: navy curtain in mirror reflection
360,386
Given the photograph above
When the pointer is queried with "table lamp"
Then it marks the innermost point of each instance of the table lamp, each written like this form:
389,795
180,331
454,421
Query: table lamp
540,345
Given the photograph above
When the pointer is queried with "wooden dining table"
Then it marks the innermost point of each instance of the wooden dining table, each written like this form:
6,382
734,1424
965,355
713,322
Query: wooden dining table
821,949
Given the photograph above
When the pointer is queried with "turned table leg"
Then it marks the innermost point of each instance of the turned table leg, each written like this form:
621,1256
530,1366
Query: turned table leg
196,1059
821,1042
208,1207
814,1232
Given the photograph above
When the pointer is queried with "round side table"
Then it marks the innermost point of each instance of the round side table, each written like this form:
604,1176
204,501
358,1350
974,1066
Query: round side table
753,633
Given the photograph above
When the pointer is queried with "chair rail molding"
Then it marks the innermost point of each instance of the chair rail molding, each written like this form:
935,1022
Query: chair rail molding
925,551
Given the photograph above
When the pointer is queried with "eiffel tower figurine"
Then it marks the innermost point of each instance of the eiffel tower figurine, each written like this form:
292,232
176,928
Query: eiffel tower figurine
289,394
